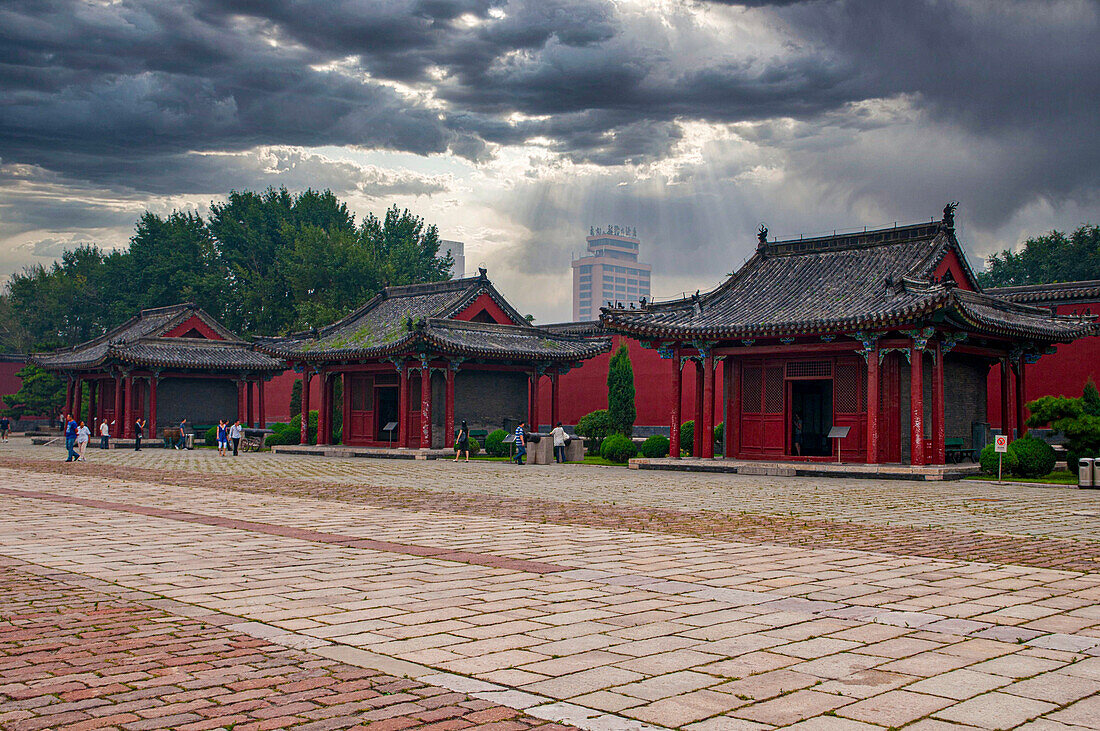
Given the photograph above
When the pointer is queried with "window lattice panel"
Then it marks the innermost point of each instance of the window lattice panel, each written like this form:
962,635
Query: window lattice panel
846,395
773,390
809,368
751,390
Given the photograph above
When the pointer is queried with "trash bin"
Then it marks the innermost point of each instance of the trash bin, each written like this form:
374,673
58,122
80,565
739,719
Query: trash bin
1086,472
189,441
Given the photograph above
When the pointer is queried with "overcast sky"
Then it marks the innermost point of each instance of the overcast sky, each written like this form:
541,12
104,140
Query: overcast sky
515,125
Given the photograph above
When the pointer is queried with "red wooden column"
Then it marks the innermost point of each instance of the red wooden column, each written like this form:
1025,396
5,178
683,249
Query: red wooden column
322,419
128,407
1006,427
78,399
733,406
303,437
555,405
449,407
425,405
536,377
697,440
939,425
677,395
248,399
120,419
153,381
240,402
402,405
707,451
68,400
916,405
1021,420
92,406
260,396
872,404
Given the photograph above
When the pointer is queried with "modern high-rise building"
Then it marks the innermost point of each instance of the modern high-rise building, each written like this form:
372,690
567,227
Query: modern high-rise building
458,251
609,272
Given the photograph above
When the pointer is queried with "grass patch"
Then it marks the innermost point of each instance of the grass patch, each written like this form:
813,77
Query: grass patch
1058,477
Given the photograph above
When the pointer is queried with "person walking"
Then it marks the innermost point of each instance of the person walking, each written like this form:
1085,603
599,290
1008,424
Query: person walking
235,435
521,442
796,439
139,432
559,443
83,435
181,441
462,444
104,435
223,437
5,427
70,438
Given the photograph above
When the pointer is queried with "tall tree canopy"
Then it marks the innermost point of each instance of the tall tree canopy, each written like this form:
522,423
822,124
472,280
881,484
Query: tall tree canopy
264,263
1052,257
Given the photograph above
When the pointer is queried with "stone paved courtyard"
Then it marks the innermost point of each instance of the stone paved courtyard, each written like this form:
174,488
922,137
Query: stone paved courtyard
152,590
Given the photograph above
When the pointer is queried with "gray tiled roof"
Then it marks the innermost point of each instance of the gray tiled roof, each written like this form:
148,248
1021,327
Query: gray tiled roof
140,341
835,283
402,318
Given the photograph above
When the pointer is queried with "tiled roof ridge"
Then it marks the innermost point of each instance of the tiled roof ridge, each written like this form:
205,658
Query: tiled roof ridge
168,308
500,328
855,240
1050,290
406,290
991,298
113,334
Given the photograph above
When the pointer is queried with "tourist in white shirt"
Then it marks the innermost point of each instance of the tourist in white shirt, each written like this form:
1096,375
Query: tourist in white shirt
560,438
235,435
104,435
83,434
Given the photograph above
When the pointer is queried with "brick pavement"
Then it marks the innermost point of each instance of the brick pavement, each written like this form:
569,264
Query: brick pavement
74,657
677,630
976,512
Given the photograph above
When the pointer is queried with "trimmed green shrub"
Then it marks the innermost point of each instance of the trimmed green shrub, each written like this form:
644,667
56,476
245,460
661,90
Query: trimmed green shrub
494,443
595,427
720,437
687,436
620,392
474,447
1073,459
1034,457
988,461
211,436
282,434
656,446
618,448
296,428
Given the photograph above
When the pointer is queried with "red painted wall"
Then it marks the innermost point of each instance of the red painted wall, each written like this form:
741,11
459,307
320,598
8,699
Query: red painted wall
193,323
584,389
277,395
1062,374
485,303
9,383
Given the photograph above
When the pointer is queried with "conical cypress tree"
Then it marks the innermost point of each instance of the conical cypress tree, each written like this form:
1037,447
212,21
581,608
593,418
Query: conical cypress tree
620,392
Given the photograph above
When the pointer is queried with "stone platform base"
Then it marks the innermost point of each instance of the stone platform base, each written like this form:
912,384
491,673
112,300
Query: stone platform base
809,469
94,444
340,450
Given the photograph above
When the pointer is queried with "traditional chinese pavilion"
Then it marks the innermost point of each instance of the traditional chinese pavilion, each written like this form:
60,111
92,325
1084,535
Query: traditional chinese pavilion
885,332
167,363
415,357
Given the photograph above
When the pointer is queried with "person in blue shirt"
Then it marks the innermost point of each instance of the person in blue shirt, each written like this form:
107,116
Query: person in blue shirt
223,437
70,438
521,442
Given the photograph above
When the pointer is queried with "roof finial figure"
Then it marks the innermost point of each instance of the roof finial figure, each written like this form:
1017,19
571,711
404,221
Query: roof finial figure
949,214
762,235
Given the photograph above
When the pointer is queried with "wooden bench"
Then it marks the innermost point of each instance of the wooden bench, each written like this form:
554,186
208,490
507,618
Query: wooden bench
955,451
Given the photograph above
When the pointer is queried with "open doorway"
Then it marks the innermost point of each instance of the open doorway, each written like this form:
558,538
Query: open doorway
812,403
386,398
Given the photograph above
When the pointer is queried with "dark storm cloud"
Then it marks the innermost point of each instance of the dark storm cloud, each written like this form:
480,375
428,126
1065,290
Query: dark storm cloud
1000,96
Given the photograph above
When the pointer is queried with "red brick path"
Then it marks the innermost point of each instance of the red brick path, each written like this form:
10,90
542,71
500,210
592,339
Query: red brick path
939,543
75,658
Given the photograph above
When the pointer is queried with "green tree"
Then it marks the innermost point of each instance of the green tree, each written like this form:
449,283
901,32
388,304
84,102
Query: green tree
404,249
1077,418
296,398
40,394
620,392
1052,257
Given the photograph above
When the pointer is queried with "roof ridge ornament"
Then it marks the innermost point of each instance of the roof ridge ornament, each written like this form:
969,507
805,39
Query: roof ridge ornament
949,215
762,236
